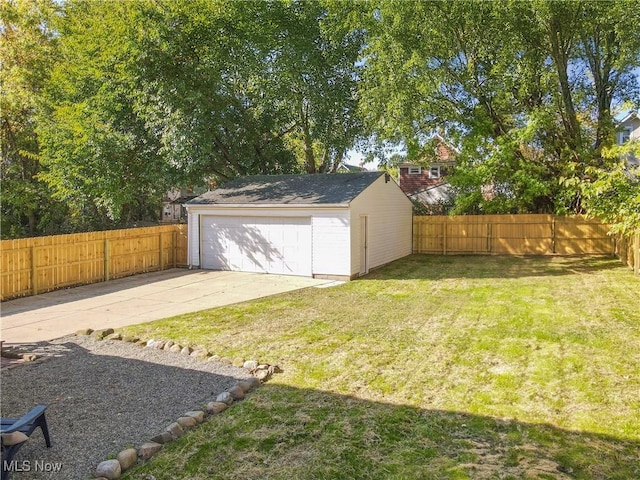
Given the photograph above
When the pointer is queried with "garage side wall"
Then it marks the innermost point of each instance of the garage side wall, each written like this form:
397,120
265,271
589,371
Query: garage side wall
330,234
389,225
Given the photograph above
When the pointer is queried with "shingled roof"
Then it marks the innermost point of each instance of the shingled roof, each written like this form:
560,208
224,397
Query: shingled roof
310,189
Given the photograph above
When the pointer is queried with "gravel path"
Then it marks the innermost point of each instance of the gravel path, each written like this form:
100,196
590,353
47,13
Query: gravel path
103,396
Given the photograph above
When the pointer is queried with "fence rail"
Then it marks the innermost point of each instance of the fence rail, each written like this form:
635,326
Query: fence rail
511,234
40,264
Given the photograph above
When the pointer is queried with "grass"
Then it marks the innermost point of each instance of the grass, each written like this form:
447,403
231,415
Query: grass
432,367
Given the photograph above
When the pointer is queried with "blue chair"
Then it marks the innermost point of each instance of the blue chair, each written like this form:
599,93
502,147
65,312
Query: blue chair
27,424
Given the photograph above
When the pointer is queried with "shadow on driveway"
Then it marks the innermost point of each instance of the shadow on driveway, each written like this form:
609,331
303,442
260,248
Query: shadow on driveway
136,299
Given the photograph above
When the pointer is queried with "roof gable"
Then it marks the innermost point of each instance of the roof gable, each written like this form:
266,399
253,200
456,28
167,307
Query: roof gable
310,189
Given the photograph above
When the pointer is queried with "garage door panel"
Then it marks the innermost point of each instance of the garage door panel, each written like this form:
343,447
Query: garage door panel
257,244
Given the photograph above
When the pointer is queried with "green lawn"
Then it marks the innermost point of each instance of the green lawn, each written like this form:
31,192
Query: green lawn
432,367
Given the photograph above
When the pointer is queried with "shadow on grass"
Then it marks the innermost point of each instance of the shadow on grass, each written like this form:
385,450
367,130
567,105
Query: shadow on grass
280,432
436,267
102,399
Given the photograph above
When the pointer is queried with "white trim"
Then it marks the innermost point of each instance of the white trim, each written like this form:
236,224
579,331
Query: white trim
432,168
414,170
625,132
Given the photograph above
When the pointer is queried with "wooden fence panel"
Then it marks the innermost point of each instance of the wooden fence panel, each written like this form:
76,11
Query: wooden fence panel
40,264
577,236
511,234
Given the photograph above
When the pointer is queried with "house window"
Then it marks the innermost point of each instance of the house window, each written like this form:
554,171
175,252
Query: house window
415,170
434,172
625,136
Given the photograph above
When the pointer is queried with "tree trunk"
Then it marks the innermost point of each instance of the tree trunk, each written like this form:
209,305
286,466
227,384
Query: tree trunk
310,160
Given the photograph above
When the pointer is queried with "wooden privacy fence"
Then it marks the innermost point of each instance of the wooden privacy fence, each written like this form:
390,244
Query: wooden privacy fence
40,264
511,234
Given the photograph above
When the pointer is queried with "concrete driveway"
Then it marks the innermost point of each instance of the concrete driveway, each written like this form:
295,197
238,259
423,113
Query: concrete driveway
136,299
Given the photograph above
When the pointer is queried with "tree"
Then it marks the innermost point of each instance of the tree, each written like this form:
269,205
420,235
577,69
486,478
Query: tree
159,93
315,64
524,88
29,49
101,159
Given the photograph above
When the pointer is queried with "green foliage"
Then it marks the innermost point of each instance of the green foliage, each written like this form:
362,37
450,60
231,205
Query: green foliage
154,94
27,55
613,195
108,104
525,89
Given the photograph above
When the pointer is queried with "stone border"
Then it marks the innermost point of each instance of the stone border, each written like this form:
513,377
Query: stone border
127,458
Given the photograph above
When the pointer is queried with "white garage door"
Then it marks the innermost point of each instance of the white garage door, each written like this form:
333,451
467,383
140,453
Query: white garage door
279,245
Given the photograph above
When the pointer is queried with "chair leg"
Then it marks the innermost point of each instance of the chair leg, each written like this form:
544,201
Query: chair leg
7,458
42,423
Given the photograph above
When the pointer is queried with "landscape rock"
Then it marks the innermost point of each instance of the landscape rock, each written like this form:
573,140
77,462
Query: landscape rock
84,331
129,339
225,397
101,333
186,351
197,414
262,375
127,458
237,392
252,382
162,438
187,422
175,348
214,408
148,450
113,336
250,365
214,358
158,345
109,469
200,354
237,362
175,430
168,344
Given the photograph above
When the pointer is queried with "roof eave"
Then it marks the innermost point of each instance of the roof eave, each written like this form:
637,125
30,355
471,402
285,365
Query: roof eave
265,205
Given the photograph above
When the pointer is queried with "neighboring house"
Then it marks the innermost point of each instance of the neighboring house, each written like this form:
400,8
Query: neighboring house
173,210
425,182
629,130
325,226
346,168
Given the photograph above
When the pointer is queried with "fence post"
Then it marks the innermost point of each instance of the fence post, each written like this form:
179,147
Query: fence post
106,259
160,251
636,253
34,271
489,232
553,234
174,246
444,237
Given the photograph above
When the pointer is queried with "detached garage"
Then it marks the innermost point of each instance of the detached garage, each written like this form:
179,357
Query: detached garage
324,225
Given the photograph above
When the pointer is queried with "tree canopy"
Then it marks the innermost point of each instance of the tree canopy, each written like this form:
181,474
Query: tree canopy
106,105
526,89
